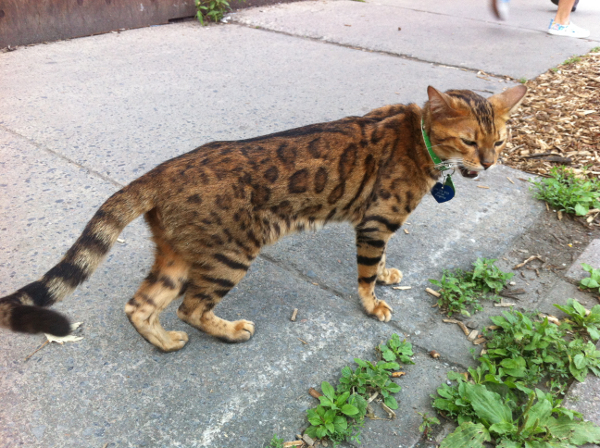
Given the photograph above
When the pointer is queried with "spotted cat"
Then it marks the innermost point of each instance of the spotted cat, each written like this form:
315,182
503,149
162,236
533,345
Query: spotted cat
213,209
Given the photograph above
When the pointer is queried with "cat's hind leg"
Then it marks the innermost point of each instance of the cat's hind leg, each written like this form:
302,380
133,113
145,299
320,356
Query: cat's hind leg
167,281
206,288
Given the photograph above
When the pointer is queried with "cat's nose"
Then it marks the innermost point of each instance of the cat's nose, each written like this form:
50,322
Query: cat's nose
486,165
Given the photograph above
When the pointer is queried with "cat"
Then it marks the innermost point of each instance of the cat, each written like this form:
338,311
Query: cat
211,210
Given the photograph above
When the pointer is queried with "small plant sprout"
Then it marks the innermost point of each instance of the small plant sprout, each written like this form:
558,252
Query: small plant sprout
427,424
593,281
329,418
276,442
571,60
397,350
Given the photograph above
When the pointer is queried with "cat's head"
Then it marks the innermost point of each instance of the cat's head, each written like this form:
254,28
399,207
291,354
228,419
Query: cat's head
469,130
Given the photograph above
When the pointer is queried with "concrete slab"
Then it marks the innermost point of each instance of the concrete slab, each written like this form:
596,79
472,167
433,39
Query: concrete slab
591,256
122,103
390,27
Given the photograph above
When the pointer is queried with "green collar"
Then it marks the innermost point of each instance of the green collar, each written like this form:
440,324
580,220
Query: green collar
436,160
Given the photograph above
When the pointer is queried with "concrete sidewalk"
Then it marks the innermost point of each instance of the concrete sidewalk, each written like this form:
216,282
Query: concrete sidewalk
81,118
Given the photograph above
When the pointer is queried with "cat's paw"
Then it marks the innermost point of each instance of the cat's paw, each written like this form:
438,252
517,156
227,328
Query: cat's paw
242,331
390,276
382,311
177,339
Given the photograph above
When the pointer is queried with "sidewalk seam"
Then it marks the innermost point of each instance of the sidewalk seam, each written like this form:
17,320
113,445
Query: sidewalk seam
63,157
381,52
298,274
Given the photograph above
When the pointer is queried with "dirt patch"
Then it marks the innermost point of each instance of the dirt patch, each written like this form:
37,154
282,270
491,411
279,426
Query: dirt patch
558,242
559,120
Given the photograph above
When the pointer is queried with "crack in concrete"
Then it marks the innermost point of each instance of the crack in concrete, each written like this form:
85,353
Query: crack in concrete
298,274
381,52
62,157
394,324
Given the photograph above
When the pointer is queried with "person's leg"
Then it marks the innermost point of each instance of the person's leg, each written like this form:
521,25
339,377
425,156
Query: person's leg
561,24
564,11
573,9
500,8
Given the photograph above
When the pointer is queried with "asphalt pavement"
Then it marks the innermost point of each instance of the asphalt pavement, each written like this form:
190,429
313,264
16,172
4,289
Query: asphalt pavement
81,118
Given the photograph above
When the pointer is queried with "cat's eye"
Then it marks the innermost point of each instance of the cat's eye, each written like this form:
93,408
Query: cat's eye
469,142
499,143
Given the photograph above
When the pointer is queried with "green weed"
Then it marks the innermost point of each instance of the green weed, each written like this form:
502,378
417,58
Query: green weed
276,442
586,323
539,421
461,290
341,412
211,10
487,277
524,351
369,378
593,281
523,80
500,401
566,192
571,60
397,350
329,419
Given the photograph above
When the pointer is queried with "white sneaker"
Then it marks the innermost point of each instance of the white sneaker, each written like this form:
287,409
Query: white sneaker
570,30
500,8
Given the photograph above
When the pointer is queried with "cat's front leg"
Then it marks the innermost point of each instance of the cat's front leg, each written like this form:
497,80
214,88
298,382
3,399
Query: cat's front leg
371,240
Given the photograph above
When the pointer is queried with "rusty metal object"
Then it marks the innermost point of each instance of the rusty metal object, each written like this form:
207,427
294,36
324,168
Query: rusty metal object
25,22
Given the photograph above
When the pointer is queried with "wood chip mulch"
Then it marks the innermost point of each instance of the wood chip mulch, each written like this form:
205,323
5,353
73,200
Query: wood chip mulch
559,121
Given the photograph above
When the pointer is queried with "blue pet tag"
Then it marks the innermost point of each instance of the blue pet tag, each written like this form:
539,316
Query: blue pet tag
443,192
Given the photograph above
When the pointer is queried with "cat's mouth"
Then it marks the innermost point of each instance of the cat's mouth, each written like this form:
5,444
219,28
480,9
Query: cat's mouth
469,174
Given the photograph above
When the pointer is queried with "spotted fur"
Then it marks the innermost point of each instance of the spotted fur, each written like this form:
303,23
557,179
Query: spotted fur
213,209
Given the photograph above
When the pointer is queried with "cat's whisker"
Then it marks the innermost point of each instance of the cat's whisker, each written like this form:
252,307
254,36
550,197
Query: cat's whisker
449,163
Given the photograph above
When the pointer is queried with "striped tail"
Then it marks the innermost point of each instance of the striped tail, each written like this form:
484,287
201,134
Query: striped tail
24,311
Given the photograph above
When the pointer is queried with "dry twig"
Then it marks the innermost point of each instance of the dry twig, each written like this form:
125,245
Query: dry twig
314,393
37,349
533,257
432,292
462,326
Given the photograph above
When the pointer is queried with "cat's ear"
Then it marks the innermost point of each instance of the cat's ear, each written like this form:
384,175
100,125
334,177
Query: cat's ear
441,105
507,102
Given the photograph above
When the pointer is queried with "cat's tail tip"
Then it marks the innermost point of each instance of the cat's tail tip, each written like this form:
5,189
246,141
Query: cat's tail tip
34,319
